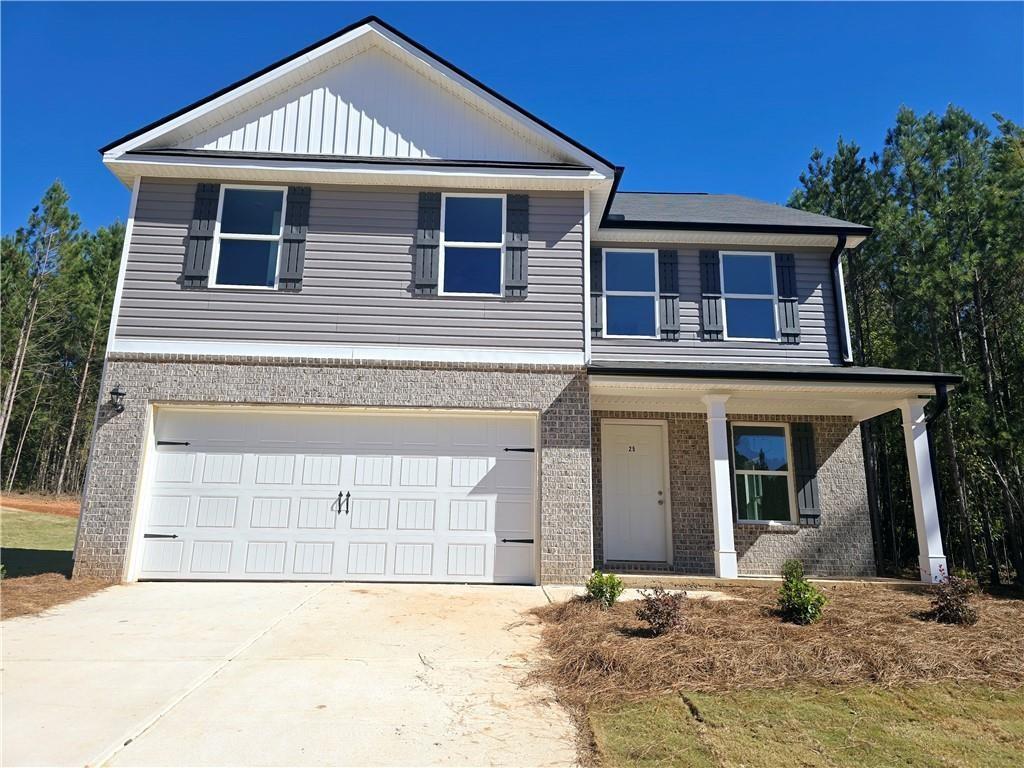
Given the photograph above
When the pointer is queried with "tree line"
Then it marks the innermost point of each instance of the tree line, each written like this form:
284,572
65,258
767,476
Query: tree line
58,283
939,285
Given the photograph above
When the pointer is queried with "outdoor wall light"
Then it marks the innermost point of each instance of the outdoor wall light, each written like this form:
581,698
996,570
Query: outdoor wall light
117,398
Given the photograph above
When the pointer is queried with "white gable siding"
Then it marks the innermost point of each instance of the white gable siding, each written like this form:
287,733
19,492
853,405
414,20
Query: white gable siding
371,105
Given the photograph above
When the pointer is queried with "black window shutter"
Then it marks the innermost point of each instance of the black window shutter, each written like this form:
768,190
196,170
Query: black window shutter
293,243
668,294
805,469
596,289
789,302
710,297
517,245
195,272
428,241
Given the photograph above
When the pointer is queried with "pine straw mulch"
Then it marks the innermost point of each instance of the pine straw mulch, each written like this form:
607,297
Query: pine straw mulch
34,594
870,634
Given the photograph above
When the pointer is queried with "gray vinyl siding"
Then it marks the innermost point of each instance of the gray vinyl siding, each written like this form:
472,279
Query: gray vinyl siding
819,339
356,284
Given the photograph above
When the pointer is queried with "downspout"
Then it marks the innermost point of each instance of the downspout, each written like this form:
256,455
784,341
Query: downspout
837,298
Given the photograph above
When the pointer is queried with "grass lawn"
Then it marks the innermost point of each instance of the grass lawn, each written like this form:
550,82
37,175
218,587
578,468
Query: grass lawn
36,530
36,553
874,683
930,725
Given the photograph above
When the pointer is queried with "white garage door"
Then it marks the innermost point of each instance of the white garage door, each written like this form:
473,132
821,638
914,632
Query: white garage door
252,494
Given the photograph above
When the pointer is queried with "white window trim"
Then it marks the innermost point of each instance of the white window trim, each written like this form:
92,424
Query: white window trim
774,297
605,293
459,244
217,235
788,473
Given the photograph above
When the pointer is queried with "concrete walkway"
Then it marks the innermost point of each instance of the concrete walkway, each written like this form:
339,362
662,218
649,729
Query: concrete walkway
281,674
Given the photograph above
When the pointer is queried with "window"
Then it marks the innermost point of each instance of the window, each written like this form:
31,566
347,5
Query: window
761,467
631,293
748,289
472,244
249,227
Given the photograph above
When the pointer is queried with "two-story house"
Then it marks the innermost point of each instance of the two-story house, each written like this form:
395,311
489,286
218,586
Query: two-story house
374,321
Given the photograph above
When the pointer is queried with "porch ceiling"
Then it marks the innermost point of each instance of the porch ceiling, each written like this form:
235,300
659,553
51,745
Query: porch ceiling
776,397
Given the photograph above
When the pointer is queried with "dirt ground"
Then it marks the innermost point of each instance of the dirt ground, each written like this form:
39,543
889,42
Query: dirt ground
66,506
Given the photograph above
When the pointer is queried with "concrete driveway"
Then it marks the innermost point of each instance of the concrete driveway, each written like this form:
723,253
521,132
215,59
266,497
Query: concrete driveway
281,674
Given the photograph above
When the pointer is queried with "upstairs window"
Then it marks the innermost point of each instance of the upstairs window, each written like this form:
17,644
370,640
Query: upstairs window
472,244
631,293
249,228
748,289
761,472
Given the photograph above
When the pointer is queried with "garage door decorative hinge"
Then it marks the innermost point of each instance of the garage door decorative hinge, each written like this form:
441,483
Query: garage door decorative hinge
517,541
173,442
159,535
519,450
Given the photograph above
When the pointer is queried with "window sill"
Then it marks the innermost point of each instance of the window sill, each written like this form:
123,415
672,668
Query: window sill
780,526
257,288
656,338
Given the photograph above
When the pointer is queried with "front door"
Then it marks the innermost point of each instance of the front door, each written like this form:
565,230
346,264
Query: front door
634,491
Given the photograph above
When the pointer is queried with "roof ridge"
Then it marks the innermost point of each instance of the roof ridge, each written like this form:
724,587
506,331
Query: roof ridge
644,192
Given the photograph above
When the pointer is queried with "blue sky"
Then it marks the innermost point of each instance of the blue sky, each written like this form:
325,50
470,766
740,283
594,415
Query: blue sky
727,97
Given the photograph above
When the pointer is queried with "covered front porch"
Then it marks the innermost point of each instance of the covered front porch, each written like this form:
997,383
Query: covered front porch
727,471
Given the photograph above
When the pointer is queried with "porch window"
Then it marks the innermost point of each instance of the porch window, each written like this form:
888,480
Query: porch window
631,293
748,289
761,467
472,244
249,228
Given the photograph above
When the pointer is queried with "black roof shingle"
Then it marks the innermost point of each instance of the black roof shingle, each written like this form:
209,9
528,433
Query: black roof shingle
699,210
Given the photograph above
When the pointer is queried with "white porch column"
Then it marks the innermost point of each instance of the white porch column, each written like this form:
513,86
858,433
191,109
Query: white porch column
721,487
926,511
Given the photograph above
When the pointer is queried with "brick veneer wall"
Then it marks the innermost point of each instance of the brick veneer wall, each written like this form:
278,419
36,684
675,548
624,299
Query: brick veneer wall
560,394
840,546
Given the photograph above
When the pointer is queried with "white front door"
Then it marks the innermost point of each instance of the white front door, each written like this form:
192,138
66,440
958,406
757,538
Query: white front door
634,490
252,493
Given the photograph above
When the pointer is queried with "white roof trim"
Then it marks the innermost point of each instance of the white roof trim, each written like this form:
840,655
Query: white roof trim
371,32
712,237
325,172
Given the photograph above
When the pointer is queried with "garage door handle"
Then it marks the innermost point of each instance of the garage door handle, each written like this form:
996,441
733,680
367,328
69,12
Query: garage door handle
159,535
517,541
343,500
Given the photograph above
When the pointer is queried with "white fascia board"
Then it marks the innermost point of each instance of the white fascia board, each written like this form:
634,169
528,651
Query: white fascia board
706,237
344,352
784,398
244,169
612,384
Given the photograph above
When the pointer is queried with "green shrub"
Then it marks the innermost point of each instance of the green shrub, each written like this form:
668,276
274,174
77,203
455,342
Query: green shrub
604,588
661,611
799,601
952,602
